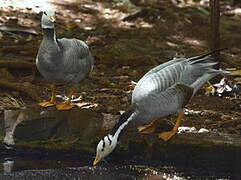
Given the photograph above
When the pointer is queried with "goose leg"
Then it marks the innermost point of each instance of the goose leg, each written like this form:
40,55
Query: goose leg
168,135
52,101
66,105
149,128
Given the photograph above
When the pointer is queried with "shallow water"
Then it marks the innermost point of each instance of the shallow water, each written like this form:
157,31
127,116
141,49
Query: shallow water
62,168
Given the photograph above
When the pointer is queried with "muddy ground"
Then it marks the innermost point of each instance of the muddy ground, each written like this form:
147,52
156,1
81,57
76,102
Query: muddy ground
127,40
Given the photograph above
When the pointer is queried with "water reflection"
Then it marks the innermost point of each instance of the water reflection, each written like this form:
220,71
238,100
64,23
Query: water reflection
95,173
71,168
8,165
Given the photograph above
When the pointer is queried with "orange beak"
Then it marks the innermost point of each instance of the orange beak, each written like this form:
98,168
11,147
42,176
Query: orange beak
52,19
97,159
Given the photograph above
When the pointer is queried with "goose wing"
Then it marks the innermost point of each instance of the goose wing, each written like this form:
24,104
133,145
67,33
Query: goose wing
172,99
161,104
181,70
77,59
162,66
74,53
159,79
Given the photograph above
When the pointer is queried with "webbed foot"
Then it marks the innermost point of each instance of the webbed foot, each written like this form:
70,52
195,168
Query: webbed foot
67,105
167,135
47,103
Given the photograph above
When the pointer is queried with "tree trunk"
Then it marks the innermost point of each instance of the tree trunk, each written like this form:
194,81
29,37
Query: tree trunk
215,33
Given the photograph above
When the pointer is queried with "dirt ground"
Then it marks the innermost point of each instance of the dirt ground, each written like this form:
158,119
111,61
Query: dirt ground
127,40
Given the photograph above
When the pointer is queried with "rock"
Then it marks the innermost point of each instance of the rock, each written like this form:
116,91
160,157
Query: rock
81,129
33,125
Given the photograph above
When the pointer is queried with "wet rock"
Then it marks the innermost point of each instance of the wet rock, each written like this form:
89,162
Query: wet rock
34,125
81,129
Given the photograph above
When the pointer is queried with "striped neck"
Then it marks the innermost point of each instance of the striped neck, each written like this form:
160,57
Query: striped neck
124,124
124,120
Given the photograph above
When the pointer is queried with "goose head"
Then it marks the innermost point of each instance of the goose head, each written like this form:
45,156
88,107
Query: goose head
48,19
105,147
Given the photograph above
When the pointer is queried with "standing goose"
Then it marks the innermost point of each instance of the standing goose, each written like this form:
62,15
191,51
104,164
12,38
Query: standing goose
162,91
67,61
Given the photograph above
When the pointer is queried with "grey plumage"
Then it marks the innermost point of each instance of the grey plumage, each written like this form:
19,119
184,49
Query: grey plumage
67,61
64,60
162,91
167,88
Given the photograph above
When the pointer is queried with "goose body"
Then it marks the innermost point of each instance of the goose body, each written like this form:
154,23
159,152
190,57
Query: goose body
65,61
162,91
167,88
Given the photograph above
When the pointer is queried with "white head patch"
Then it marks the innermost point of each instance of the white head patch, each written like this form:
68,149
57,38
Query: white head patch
105,146
48,19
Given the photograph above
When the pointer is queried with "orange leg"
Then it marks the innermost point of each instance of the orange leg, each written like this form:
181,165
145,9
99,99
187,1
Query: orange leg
66,105
168,135
149,128
52,101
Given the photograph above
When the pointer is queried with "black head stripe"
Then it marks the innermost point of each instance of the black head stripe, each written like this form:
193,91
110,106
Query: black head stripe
103,145
109,139
45,13
123,118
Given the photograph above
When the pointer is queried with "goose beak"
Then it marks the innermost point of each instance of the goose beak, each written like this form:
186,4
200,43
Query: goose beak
97,159
52,19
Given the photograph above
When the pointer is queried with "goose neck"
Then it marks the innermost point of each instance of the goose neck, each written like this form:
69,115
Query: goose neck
49,34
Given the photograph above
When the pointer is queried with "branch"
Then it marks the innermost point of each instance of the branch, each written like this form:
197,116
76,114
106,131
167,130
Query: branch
26,88
17,64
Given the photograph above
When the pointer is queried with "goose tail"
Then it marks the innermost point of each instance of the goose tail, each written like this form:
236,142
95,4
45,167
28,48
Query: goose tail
211,73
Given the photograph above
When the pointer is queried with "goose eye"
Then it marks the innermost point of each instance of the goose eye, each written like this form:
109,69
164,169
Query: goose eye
45,13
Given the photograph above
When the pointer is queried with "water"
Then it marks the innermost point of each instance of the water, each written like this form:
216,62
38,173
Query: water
42,164
74,167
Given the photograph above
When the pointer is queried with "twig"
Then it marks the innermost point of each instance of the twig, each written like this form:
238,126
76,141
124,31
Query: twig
18,49
26,88
225,122
17,64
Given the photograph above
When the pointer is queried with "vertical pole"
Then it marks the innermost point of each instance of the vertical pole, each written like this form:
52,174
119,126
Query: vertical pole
215,33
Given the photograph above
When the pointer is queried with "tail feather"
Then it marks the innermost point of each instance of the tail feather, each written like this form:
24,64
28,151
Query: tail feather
211,73
219,71
207,54
197,59
198,66
206,64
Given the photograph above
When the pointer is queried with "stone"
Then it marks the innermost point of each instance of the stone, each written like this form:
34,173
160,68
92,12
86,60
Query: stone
81,129
34,124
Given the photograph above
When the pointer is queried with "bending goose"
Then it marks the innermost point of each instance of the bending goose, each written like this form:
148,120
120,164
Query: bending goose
67,61
162,91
